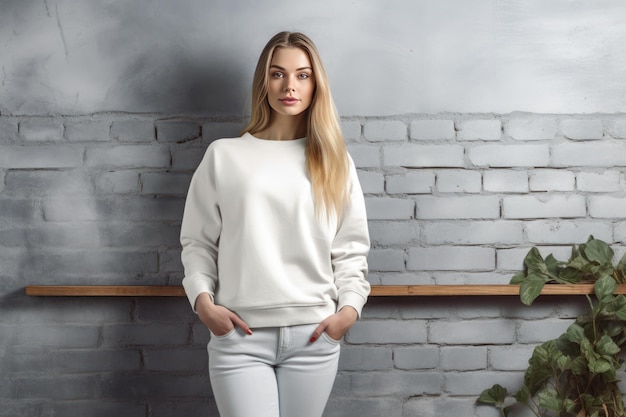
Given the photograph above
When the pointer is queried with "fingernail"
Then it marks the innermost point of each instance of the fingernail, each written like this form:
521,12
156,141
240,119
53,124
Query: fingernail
249,331
312,339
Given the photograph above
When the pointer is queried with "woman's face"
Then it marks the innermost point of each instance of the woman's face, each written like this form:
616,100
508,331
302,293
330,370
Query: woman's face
291,82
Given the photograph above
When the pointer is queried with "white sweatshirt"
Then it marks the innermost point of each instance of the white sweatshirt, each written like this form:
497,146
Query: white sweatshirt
252,240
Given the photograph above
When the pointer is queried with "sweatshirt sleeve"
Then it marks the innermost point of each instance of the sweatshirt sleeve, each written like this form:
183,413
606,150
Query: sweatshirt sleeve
200,231
350,248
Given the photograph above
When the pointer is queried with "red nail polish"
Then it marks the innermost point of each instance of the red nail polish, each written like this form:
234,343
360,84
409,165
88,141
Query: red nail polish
312,339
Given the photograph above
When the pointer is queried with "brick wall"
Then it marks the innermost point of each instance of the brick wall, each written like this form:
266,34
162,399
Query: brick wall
452,198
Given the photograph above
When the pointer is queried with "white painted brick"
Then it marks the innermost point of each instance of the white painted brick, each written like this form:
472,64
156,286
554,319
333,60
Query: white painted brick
423,156
432,130
460,278
451,258
351,131
473,233
597,154
133,130
463,358
617,128
413,182
567,232
371,182
113,209
165,183
532,207
582,129
339,406
606,207
453,207
117,182
531,129
128,156
465,332
594,182
510,358
416,357
365,156
396,383
459,181
218,130
405,278
386,260
386,331
186,158
385,131
365,358
474,382
513,259
389,208
393,233
8,130
539,331
480,130
87,130
177,130
552,180
620,232
41,129
48,183
504,156
40,157
505,181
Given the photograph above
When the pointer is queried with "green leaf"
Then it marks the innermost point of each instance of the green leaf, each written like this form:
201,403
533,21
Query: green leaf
606,346
598,251
534,262
531,288
571,275
494,395
522,396
549,399
575,333
618,306
518,278
579,366
604,288
621,266
600,365
553,265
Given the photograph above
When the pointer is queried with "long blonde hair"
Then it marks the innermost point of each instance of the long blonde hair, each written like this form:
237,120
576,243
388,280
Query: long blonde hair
326,155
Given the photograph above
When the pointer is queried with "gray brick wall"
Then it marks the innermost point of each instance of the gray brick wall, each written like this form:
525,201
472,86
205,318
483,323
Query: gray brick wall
452,199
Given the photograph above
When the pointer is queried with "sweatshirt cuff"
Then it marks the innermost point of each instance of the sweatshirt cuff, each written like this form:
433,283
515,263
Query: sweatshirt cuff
195,285
352,299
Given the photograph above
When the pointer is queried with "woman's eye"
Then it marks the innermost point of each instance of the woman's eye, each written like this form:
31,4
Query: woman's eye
278,75
304,76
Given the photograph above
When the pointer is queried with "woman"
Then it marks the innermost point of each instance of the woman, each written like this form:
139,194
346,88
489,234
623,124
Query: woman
275,241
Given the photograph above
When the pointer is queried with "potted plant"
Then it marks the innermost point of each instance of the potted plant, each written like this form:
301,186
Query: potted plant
574,375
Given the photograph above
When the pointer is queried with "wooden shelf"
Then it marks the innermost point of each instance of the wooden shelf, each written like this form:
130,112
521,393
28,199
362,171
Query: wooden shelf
377,290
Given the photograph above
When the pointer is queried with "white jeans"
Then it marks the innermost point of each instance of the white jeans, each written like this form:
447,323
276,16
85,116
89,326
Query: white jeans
275,372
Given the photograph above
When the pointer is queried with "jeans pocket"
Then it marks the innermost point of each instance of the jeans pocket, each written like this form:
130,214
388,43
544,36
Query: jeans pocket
224,336
330,339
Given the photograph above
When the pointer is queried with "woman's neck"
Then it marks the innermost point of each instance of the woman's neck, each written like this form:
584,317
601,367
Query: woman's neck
284,128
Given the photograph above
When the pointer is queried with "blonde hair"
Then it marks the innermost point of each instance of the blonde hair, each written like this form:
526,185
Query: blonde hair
326,154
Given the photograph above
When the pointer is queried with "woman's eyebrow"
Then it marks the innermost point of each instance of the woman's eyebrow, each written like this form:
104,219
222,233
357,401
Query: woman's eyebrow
297,69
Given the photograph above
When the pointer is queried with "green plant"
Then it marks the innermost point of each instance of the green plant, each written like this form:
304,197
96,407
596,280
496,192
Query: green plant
574,375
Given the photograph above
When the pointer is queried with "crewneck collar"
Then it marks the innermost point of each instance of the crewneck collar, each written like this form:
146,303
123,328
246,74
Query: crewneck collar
271,142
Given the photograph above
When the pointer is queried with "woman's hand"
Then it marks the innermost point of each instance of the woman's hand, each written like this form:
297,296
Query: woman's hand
337,325
218,319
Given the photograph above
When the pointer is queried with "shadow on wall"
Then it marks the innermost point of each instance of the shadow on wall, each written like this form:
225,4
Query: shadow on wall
176,83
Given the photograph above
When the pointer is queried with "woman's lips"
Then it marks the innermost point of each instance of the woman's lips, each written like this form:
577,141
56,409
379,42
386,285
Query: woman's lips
289,100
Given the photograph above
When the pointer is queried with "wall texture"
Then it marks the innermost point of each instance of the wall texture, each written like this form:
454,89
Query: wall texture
479,130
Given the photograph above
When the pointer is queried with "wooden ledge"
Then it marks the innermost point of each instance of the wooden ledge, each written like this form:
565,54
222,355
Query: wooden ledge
377,290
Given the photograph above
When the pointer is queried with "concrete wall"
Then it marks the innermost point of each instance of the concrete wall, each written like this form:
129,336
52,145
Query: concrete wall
479,130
